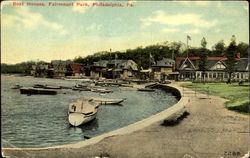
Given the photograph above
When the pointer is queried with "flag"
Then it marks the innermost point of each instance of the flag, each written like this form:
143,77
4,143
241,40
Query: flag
188,37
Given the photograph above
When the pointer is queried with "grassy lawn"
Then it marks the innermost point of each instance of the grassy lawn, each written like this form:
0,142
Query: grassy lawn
237,95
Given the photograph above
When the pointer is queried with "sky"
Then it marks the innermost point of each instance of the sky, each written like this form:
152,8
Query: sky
64,32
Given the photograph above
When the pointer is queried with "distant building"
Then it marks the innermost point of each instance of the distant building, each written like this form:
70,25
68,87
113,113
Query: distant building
164,69
76,69
114,69
61,68
41,70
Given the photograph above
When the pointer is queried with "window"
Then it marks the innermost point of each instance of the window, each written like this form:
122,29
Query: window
214,75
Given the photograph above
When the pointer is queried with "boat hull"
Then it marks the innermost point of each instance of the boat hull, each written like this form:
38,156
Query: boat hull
108,101
77,119
37,91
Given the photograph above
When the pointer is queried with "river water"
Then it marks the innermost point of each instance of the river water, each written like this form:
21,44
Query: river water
41,120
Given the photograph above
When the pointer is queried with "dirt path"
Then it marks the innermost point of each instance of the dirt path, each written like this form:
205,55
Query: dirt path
210,131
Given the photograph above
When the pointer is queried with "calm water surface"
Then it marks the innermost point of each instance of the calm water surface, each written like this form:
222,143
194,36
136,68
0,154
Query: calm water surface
41,120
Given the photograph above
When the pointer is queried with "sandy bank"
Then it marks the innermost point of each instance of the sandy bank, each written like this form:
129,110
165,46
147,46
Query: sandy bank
209,131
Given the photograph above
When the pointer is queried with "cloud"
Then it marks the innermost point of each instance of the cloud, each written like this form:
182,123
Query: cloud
94,26
170,30
193,31
24,17
178,19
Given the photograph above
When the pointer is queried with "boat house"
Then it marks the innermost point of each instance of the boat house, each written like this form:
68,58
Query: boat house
215,69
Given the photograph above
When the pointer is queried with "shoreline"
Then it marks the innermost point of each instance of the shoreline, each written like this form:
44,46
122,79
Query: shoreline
115,144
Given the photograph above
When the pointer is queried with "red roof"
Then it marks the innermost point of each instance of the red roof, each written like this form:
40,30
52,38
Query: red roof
178,60
76,67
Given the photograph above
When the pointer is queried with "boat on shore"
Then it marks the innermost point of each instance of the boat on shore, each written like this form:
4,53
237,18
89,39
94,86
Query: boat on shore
82,111
30,90
105,101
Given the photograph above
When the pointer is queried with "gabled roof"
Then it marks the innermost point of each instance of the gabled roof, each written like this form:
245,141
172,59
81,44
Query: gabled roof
165,62
121,64
242,65
211,63
187,62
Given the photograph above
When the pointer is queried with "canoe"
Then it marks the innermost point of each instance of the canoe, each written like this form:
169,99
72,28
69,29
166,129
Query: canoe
30,90
104,101
82,111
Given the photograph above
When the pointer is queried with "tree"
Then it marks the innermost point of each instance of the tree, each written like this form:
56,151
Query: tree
203,58
243,49
230,54
219,49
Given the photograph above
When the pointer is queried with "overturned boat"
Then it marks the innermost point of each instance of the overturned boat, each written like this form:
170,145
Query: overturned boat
105,101
82,111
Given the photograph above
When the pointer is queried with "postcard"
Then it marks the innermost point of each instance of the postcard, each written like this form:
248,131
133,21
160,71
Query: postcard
124,79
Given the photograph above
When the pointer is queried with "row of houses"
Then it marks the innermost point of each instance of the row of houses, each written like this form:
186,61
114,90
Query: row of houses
165,69
57,69
104,68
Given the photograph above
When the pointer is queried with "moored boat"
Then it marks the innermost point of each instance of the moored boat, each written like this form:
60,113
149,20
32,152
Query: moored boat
30,90
104,101
82,111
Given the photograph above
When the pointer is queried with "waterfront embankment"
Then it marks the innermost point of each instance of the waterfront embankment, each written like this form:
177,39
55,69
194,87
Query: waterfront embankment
209,131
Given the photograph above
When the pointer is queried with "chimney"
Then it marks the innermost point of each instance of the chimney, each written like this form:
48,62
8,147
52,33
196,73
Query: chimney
237,55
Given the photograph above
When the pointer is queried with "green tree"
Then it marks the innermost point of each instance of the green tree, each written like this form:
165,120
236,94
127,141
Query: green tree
203,58
219,49
243,49
230,54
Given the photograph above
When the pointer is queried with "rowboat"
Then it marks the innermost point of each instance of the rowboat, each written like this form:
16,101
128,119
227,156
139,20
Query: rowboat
30,90
104,101
82,111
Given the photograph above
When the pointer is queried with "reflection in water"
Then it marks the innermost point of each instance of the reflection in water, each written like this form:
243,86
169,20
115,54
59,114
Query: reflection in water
42,120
